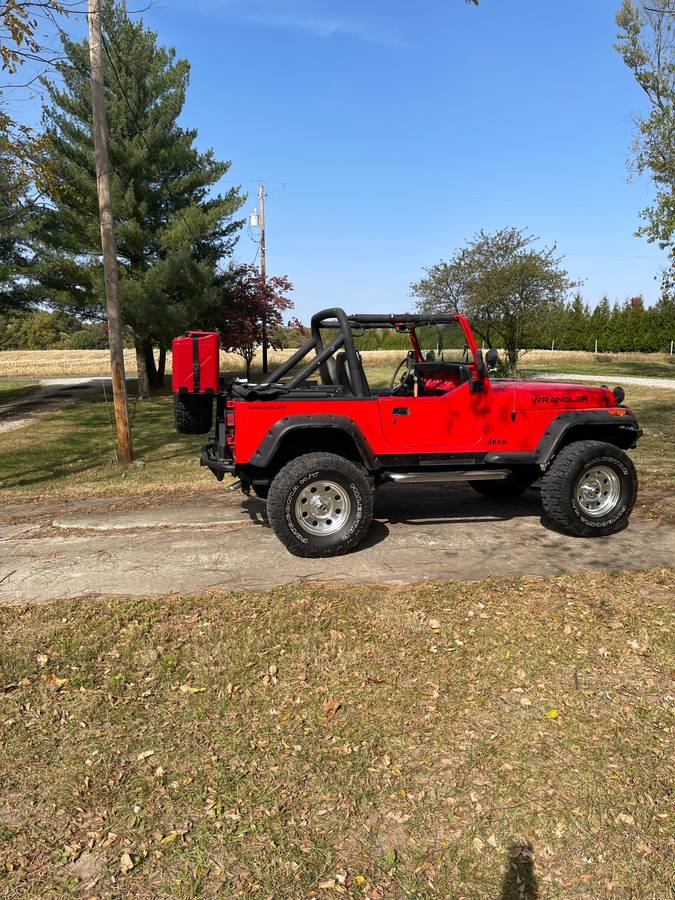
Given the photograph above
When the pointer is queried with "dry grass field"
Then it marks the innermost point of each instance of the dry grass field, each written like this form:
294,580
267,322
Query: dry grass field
45,363
503,740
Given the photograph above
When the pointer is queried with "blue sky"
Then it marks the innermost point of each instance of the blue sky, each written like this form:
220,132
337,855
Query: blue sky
388,133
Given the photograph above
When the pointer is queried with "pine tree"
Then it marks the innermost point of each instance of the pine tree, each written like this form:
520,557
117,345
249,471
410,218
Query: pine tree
664,323
15,251
171,230
600,325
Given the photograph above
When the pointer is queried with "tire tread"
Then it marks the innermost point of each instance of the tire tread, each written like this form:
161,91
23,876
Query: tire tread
557,482
289,475
193,413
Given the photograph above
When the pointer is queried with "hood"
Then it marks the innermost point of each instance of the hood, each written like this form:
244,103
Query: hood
562,395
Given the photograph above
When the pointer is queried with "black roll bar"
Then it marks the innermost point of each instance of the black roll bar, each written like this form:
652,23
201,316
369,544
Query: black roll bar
338,319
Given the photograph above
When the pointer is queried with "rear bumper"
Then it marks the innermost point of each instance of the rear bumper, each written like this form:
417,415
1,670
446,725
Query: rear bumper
218,465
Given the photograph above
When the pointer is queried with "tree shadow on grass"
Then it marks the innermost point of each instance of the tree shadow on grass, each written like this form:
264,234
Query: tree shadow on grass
85,442
519,881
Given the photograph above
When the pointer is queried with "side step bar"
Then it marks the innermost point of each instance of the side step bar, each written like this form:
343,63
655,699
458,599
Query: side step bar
444,477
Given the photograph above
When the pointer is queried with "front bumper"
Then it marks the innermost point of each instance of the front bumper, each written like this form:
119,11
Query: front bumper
218,465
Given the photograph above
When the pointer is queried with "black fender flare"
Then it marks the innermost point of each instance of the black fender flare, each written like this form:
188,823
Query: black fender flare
268,447
554,436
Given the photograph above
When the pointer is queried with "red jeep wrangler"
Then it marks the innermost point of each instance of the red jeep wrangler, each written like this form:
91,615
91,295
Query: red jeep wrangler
316,448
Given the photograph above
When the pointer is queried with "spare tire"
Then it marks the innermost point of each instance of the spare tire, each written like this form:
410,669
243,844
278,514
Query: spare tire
193,413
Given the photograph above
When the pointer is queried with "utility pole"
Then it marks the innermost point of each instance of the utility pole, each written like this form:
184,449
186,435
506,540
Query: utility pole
108,246
263,270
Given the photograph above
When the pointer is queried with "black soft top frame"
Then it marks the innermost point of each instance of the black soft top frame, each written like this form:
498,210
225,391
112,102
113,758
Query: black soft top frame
402,322
338,320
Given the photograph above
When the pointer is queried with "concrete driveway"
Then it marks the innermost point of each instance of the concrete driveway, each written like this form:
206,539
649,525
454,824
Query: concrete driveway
221,540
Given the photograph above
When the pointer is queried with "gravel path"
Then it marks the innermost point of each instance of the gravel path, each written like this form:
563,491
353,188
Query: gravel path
52,395
611,380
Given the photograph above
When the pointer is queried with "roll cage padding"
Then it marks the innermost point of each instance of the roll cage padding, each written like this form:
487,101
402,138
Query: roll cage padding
327,318
358,383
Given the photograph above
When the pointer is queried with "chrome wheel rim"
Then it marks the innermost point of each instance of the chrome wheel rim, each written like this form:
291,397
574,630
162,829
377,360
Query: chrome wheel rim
598,491
322,507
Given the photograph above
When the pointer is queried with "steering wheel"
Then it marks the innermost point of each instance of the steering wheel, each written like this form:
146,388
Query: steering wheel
405,381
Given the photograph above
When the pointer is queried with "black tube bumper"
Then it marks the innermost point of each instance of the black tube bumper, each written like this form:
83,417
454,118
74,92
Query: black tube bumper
218,465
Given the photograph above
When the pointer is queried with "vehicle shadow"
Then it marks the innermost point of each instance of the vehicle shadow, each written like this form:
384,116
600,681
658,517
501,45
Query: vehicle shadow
519,881
438,504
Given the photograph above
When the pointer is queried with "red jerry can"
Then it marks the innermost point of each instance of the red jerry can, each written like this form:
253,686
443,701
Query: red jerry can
196,362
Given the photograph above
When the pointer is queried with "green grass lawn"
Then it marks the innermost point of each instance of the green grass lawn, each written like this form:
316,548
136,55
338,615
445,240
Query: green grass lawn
13,389
366,742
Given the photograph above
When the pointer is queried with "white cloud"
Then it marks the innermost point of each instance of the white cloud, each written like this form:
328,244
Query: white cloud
298,15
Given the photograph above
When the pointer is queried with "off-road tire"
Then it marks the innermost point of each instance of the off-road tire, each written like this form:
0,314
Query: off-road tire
300,474
499,490
193,413
559,489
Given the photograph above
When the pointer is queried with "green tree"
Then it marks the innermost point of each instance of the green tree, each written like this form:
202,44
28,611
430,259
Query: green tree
600,324
172,229
502,282
664,322
14,243
576,333
646,41
27,28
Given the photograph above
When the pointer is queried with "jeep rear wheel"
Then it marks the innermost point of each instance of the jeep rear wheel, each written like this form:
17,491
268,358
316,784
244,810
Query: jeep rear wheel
320,504
589,489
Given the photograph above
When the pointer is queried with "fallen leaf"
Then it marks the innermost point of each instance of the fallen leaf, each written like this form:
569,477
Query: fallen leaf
126,863
169,838
54,680
525,702
478,844
625,818
42,660
330,707
191,689
145,754
434,624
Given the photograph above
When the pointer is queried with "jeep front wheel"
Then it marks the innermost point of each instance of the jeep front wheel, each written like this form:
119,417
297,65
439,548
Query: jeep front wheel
589,489
320,505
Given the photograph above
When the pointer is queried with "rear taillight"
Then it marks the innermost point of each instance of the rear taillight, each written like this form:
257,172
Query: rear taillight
229,421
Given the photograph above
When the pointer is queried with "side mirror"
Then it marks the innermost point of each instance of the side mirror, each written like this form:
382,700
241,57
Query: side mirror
492,358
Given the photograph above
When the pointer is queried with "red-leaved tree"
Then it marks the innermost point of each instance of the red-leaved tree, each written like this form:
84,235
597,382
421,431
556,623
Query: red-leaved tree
248,306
